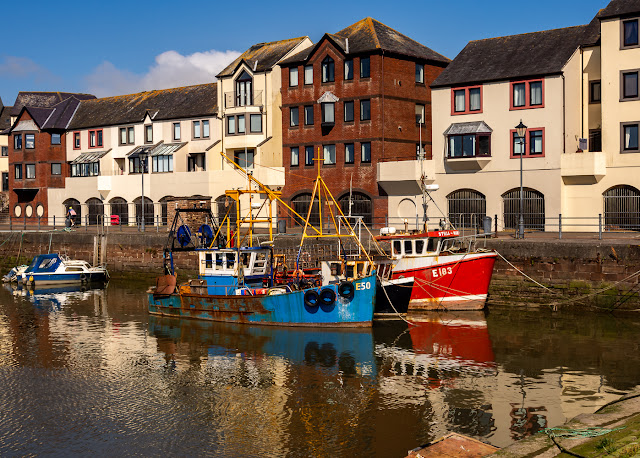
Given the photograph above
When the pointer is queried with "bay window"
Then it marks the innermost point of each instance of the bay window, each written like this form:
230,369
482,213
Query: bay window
328,112
162,164
469,145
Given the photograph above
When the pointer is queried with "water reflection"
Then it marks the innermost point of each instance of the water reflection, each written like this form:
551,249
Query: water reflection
92,371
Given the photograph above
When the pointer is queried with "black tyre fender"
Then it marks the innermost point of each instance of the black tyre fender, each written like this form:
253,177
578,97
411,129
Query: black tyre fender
346,290
311,298
327,296
83,278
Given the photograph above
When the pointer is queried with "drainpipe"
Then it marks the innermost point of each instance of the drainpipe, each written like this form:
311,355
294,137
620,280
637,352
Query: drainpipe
581,92
382,91
564,129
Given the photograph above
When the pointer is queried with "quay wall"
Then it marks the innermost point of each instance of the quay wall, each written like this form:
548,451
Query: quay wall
574,271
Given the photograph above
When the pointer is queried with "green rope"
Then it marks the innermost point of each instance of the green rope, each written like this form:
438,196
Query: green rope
582,432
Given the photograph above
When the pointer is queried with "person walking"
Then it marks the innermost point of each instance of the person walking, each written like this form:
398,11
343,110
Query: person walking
71,215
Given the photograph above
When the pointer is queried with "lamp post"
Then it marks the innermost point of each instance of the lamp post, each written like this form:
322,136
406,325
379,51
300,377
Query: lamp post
521,130
143,165
422,177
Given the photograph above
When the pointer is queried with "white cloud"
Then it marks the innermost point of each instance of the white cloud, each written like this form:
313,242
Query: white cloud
22,68
171,69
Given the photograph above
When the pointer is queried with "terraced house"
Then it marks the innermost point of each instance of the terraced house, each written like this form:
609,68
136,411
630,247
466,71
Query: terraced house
359,101
576,91
5,123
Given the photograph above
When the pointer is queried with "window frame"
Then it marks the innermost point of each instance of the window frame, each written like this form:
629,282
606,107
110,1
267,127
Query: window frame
328,70
18,145
59,138
148,128
362,67
423,113
295,163
324,157
477,137
353,110
310,82
194,123
624,150
235,125
527,143
25,140
297,77
17,168
175,137
308,110
294,116
624,98
353,153
363,103
348,63
5,151
27,167
622,34
467,99
308,160
155,161
323,111
98,134
420,79
362,151
591,137
59,165
527,94
252,116
592,85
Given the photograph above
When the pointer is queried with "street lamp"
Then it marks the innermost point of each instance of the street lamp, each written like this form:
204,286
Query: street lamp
521,130
142,155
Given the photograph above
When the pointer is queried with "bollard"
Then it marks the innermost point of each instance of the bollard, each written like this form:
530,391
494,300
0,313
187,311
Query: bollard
24,228
560,225
38,224
86,223
54,222
600,226
495,225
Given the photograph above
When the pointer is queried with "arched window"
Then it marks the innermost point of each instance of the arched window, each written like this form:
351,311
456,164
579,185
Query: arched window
328,67
95,211
467,208
120,208
622,208
533,209
164,210
300,204
226,206
361,205
148,211
75,204
243,90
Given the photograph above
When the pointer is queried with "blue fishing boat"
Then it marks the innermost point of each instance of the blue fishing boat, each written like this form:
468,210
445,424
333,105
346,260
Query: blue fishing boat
236,280
56,269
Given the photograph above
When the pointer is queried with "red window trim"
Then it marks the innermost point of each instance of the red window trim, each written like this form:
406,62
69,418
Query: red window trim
74,140
527,94
466,100
89,139
527,143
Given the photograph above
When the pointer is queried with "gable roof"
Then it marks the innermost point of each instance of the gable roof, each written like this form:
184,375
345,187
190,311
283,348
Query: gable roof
620,8
56,117
261,57
5,118
369,35
175,103
44,99
515,56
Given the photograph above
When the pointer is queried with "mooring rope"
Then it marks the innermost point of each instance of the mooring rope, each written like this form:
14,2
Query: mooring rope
393,307
525,275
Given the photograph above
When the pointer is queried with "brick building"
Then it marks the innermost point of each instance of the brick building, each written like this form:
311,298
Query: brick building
37,152
360,99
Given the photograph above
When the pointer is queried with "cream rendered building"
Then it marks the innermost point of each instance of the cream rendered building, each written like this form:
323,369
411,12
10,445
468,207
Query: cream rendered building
5,123
566,86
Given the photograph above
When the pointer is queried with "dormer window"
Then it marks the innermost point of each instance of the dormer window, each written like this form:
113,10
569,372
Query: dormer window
244,90
328,70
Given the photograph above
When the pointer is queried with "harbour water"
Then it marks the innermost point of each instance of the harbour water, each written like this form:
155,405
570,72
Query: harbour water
90,372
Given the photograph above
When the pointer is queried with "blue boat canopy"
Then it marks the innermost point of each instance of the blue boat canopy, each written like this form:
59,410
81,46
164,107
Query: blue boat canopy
44,263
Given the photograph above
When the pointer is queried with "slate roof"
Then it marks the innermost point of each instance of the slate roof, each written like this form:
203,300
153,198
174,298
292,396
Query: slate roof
369,35
516,56
262,55
5,118
175,103
55,117
44,99
620,8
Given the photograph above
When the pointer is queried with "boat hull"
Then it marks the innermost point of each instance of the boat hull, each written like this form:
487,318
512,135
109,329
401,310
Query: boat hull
393,296
455,282
287,309
75,278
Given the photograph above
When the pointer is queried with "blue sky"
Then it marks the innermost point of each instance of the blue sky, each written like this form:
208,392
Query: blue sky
117,47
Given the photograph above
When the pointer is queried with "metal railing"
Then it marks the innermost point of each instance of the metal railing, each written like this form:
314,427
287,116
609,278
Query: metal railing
234,99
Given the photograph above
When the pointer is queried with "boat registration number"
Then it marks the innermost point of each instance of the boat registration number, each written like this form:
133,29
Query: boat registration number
362,286
441,272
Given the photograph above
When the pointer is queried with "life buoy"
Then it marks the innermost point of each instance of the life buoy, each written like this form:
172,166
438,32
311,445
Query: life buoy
83,278
311,298
327,296
346,290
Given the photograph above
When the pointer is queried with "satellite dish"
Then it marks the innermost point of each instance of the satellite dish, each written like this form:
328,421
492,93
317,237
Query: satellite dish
431,187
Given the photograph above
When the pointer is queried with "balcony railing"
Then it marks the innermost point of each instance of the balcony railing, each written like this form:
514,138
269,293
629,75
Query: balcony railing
237,99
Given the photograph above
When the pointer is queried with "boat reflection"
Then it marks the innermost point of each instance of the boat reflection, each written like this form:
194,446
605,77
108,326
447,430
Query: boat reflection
54,298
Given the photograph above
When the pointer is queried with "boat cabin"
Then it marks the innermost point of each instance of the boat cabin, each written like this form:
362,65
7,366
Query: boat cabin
229,268
424,244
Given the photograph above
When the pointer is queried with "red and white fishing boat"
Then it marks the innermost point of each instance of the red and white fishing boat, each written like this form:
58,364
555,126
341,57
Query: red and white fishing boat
440,269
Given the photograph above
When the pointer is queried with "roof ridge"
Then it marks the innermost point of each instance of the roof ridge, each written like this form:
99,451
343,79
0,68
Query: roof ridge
148,92
369,21
529,33
264,43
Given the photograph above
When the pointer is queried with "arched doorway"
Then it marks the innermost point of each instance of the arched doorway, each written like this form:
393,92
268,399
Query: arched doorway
164,209
95,211
75,204
148,211
361,205
467,208
120,208
533,209
622,208
300,204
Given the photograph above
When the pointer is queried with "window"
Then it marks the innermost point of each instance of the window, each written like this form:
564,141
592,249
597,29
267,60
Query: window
56,169
308,155
295,156
127,136
5,151
466,100
630,137
135,165
293,77
17,141
308,74
365,152
329,154
196,162
123,137
95,138
5,181
29,141
531,146
629,85
420,73
595,140
419,113
148,133
130,135
176,131
527,94
17,171
56,139
255,123
30,171
76,140
328,67
241,125
294,116
90,169
630,33
365,110
196,129
348,111
308,115
469,145
348,153
243,90
365,70
328,112
162,164
205,128
594,92
244,158
231,125
348,69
